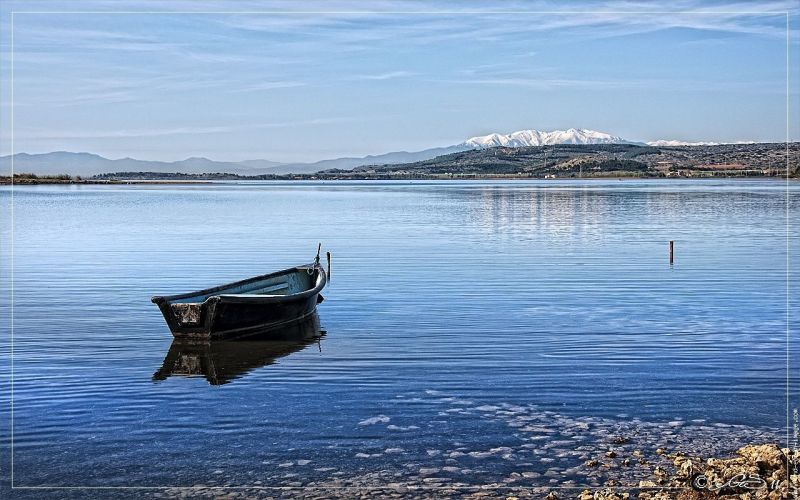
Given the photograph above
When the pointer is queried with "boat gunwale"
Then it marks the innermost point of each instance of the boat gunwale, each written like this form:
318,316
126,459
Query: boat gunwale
251,298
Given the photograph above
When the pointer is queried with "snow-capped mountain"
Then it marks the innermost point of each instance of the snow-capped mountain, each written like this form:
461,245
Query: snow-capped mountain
524,138
680,143
664,143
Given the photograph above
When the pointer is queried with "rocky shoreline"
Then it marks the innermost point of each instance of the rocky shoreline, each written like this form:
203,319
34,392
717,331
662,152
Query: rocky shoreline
546,455
757,472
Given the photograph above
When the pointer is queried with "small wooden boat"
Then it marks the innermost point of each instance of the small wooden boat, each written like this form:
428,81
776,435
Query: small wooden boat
248,307
221,361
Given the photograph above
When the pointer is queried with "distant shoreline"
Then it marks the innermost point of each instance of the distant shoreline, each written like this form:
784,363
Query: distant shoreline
562,161
5,180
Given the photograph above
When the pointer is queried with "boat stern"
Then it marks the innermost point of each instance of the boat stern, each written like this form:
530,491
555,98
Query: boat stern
188,319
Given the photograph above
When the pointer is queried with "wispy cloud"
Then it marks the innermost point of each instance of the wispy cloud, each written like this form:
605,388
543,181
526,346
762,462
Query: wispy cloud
36,34
246,39
264,86
545,84
128,87
425,23
120,134
391,75
552,83
42,134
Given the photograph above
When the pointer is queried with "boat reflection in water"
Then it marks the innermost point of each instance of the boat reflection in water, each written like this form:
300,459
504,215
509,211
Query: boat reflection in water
222,361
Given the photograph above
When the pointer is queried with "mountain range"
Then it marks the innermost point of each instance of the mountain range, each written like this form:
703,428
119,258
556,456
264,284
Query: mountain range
526,138
88,164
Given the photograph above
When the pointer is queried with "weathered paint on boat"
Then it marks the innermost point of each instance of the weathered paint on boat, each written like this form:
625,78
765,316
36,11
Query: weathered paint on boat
221,361
248,307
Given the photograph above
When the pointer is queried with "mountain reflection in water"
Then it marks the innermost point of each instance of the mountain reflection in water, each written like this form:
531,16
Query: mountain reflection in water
222,361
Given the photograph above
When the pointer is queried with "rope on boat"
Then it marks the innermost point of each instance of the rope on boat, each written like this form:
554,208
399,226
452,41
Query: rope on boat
313,268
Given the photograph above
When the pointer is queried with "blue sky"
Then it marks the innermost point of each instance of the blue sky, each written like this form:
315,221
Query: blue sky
291,86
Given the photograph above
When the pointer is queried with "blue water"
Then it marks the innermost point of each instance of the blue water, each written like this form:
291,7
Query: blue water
555,295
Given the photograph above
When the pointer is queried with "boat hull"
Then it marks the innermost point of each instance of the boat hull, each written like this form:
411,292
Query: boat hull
230,316
235,320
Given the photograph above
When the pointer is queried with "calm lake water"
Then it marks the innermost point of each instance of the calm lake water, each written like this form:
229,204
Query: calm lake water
454,308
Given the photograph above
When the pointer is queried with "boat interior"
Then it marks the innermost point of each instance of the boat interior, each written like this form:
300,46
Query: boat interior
287,283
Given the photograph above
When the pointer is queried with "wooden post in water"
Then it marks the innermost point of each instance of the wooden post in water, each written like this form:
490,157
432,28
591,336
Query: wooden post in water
328,258
671,249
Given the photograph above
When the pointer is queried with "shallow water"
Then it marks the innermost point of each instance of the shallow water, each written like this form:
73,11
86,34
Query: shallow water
445,298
